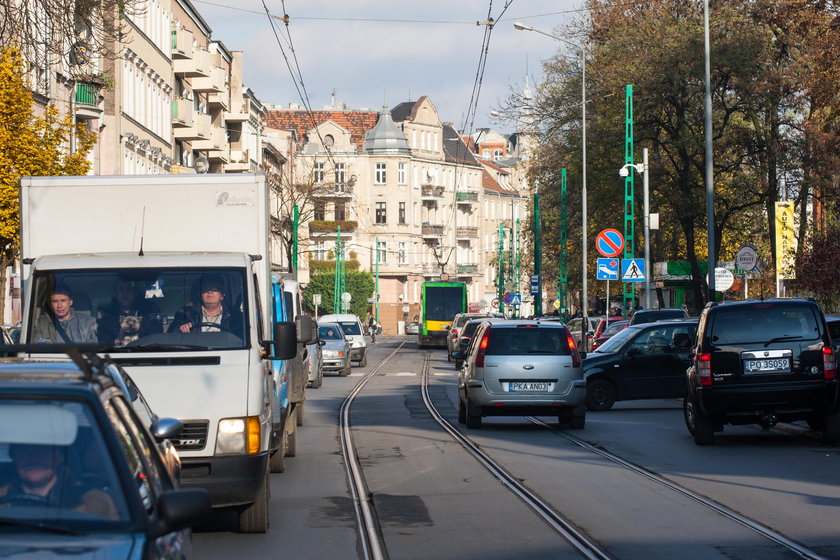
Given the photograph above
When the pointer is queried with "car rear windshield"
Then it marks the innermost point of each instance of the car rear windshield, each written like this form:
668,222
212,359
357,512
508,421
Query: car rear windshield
526,340
658,315
764,323
469,328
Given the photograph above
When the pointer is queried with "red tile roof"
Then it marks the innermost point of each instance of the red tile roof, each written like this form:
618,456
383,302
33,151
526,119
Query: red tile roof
357,122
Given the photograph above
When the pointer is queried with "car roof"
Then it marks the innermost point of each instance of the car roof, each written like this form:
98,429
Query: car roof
45,377
769,301
510,323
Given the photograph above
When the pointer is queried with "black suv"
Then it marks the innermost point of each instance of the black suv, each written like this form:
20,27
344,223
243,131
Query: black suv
760,362
80,470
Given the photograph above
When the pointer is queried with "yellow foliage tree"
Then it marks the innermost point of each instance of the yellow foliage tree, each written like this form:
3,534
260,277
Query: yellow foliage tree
30,145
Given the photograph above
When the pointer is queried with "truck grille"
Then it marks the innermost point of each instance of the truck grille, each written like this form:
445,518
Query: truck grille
193,437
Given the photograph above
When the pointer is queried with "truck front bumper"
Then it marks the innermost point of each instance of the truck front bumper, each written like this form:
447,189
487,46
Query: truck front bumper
231,480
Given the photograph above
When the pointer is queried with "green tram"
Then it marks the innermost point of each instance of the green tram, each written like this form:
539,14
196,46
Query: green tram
440,301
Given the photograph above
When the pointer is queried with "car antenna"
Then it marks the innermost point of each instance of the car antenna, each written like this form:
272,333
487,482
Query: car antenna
142,231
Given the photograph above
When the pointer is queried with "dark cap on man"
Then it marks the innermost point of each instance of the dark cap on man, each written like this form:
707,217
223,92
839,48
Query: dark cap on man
212,282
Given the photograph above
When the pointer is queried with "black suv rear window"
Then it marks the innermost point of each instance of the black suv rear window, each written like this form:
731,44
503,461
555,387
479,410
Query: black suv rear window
524,340
763,323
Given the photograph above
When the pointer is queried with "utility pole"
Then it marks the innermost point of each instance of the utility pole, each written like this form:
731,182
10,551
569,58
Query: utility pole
376,290
563,276
538,253
629,206
501,281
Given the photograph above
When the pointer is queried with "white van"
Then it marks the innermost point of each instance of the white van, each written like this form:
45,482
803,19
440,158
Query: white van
352,327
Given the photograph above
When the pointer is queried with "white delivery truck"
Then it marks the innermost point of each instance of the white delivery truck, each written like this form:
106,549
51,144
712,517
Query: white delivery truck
171,274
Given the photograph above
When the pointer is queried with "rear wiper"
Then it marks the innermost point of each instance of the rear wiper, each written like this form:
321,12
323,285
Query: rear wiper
12,522
782,339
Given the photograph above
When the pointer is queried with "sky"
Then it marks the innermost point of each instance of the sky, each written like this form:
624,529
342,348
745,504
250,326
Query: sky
358,49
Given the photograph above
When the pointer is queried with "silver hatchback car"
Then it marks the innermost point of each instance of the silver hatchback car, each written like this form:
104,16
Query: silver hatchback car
520,368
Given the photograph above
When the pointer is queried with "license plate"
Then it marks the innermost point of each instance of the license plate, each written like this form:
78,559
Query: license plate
531,386
773,365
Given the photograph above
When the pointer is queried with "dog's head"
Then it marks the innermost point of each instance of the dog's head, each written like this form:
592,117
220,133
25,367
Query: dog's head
130,323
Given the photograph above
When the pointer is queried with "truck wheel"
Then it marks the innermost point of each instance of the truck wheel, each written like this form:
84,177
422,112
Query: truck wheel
363,361
254,518
831,427
299,413
277,462
600,395
291,444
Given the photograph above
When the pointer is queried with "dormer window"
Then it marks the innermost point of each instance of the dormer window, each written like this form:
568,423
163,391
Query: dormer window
329,141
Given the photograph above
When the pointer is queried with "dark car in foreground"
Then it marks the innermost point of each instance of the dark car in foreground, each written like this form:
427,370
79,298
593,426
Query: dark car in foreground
81,473
640,362
762,362
521,368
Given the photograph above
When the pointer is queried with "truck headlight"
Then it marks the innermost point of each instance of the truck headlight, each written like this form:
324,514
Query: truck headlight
238,436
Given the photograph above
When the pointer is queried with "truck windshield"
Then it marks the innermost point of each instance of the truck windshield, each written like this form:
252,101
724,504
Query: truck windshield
154,309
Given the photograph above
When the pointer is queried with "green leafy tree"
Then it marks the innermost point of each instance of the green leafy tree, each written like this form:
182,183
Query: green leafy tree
360,285
30,145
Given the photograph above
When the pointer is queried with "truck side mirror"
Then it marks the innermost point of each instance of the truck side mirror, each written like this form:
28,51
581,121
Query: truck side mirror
284,345
307,329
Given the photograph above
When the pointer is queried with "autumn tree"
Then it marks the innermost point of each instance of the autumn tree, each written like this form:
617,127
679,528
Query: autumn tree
30,145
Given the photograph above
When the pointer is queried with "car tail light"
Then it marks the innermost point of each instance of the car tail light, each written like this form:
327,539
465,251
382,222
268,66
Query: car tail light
573,349
704,368
829,364
453,334
482,349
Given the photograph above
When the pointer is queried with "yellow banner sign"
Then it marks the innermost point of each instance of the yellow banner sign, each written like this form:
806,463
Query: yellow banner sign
785,242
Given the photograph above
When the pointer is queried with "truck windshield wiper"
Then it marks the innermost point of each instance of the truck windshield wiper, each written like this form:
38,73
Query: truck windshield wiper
781,339
12,522
159,346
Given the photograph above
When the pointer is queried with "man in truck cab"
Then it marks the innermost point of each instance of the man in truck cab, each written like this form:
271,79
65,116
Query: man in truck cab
61,323
212,315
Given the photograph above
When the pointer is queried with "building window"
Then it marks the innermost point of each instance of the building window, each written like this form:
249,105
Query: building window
382,251
402,212
319,172
381,218
319,253
497,155
380,173
318,211
340,176
340,214
402,254
401,174
485,154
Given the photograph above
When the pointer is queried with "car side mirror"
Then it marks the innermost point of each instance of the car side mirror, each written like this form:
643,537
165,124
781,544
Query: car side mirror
182,508
166,428
457,355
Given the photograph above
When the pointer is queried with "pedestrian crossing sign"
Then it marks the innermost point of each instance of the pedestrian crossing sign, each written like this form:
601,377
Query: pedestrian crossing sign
633,270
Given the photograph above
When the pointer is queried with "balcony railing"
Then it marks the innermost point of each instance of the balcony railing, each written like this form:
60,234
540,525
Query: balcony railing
332,191
217,140
467,269
196,67
431,191
466,232
429,230
466,197
182,112
87,94
216,82
200,129
182,43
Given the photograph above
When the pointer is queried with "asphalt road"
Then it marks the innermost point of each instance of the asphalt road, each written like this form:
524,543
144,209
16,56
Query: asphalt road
434,501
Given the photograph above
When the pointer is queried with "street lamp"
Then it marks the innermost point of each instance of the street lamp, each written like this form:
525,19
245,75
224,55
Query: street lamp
523,27
643,169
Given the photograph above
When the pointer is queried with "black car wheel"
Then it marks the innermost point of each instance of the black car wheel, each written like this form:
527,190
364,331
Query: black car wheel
698,424
363,361
462,411
600,394
831,427
473,415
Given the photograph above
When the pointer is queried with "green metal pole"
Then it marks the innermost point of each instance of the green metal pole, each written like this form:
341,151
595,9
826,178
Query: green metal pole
563,277
501,295
629,206
295,225
376,295
337,282
518,274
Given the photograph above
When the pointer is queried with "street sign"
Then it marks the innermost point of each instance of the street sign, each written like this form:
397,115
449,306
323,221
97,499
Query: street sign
608,269
724,279
610,242
515,299
316,299
495,303
507,298
633,270
346,297
556,304
535,284
747,259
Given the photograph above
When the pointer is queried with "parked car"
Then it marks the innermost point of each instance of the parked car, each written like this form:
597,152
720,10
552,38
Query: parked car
602,326
112,496
762,362
517,368
650,315
467,332
412,328
458,323
336,349
582,335
614,328
353,330
314,363
640,362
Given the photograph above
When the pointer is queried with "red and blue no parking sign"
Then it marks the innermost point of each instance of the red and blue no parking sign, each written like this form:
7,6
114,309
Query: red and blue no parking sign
610,242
